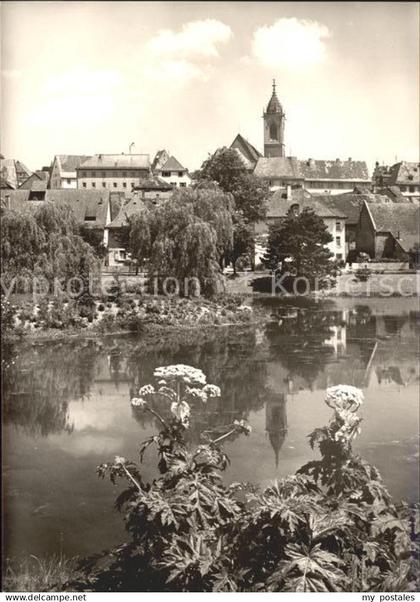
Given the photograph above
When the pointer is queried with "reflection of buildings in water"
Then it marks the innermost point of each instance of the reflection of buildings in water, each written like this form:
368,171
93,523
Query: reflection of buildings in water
338,340
276,422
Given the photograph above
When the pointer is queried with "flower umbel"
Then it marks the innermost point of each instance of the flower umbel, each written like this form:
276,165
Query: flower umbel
188,374
212,391
344,397
139,402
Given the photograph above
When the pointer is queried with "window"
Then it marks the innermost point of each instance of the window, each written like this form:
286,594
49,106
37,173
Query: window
295,209
104,174
166,174
124,174
90,218
273,131
93,174
338,241
124,184
180,174
338,226
411,188
182,184
114,184
173,184
68,180
83,174
84,184
115,174
339,255
403,188
103,184
93,184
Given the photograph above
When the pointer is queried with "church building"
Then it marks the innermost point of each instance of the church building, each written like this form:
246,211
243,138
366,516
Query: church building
279,171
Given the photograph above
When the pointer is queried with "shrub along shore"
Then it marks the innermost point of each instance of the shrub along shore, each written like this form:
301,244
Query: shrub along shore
53,319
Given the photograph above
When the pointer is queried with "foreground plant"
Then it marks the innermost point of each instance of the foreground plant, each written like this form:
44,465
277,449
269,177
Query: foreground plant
330,527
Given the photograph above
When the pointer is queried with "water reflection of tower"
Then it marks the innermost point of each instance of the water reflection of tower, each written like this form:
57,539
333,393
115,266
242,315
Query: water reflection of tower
276,422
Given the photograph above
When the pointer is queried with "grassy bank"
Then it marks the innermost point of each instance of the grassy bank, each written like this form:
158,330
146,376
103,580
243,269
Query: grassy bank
35,574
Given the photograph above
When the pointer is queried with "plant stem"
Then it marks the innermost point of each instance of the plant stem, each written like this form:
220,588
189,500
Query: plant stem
157,416
130,476
222,437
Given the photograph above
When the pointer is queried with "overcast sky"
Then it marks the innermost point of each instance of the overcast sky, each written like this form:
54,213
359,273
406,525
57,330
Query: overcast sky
92,77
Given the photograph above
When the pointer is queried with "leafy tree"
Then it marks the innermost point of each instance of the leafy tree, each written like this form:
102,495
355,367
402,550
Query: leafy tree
42,242
95,239
303,238
223,167
243,242
185,238
249,194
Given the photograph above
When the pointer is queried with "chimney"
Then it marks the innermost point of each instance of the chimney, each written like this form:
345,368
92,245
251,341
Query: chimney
288,192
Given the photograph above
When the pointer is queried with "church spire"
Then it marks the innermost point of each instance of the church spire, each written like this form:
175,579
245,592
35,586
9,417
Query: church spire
274,118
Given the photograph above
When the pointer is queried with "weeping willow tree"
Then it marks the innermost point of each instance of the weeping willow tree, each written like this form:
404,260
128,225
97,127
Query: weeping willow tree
185,239
42,242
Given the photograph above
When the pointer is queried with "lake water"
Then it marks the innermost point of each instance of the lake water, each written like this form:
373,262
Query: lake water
67,409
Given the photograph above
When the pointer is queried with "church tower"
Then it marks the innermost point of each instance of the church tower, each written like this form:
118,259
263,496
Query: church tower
274,119
276,422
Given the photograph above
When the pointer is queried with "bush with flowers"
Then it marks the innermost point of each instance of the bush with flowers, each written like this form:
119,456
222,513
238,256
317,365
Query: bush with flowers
331,527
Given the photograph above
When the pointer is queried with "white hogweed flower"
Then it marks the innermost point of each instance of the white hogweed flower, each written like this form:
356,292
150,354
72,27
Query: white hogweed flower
194,393
212,391
139,402
119,460
146,390
344,397
188,374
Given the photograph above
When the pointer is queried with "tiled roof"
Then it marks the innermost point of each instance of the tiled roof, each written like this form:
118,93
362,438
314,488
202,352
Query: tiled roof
38,181
277,167
15,172
153,183
5,184
84,203
401,219
18,198
348,203
315,169
160,158
405,173
278,207
133,206
290,167
69,163
248,164
246,147
172,164
119,161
